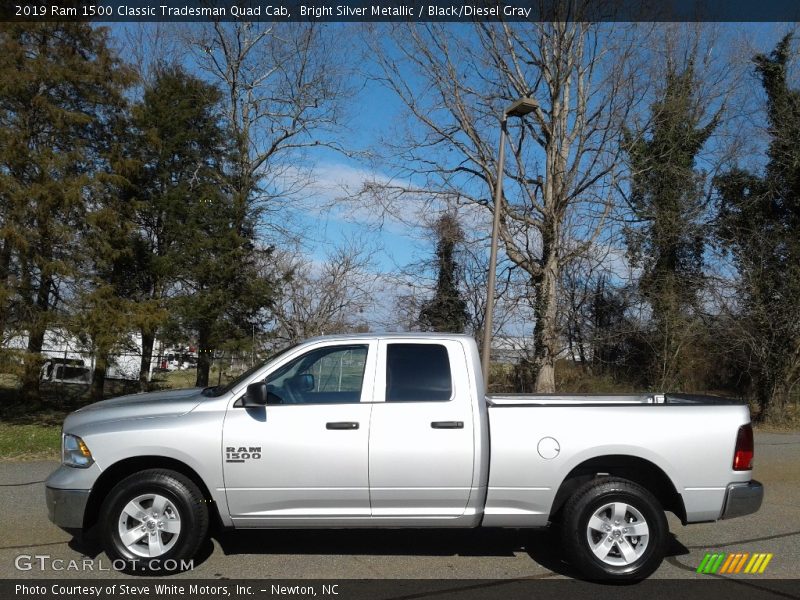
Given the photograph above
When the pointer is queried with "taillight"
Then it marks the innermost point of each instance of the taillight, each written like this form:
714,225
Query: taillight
743,455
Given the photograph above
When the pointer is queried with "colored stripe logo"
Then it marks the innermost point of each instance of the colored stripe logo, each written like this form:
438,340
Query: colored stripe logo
733,563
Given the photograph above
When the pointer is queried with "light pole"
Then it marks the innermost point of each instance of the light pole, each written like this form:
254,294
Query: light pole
520,108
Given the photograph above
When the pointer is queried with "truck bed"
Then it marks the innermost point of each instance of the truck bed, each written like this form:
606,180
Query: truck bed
538,439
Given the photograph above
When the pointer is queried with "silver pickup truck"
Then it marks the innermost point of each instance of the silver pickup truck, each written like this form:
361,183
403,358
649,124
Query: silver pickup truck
396,431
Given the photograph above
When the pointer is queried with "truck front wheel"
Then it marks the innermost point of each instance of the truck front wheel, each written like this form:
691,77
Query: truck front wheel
614,529
153,521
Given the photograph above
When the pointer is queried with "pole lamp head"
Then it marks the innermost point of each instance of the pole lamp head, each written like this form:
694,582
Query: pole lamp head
521,107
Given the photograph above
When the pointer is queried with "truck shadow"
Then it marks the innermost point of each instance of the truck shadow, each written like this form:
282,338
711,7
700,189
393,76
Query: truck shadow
542,546
390,542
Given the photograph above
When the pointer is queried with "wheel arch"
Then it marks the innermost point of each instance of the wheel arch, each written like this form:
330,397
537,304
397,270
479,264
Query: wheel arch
634,468
115,473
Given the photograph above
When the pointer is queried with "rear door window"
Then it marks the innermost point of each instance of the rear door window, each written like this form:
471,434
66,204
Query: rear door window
418,373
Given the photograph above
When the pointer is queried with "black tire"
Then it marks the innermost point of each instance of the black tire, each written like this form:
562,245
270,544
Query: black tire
184,500
576,534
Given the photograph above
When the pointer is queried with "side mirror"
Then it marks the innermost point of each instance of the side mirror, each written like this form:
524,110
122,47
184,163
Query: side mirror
305,382
256,395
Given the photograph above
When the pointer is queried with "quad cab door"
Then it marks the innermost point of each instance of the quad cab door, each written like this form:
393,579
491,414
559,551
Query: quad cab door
303,458
422,442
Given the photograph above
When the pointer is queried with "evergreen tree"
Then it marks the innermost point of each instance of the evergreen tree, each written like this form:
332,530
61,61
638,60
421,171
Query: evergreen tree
447,310
667,199
60,87
106,307
759,224
177,153
133,251
224,291
198,262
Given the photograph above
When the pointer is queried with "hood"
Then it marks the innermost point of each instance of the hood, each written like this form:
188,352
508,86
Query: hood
153,404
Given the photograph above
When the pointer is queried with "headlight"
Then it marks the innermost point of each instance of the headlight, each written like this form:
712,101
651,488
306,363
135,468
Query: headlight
74,452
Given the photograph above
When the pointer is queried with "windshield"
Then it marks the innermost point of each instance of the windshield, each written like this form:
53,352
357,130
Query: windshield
218,390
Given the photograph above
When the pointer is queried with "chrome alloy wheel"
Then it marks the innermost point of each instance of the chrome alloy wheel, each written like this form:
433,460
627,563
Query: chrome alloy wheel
617,534
149,525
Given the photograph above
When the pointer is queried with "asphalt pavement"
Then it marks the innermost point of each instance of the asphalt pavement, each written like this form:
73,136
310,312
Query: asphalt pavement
415,554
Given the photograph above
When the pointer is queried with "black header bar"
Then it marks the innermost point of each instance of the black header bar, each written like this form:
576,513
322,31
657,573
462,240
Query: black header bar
457,11
400,589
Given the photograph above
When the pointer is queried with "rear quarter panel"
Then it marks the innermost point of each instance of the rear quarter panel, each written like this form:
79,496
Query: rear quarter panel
693,445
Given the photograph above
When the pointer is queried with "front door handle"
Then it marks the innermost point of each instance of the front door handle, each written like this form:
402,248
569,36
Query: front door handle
342,425
447,424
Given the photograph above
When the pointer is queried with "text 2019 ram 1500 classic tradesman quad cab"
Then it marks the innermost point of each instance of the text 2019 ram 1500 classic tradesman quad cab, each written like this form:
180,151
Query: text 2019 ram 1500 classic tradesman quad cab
396,431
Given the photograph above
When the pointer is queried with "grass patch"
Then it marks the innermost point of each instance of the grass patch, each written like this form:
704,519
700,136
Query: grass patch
187,378
32,441
174,379
30,432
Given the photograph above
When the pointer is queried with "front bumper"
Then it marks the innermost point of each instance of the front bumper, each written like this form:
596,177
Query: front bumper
66,508
742,499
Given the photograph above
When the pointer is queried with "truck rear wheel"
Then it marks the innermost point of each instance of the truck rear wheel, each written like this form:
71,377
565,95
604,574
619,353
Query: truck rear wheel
153,520
614,529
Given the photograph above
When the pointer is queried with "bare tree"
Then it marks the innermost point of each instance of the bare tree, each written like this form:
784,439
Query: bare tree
328,297
455,83
284,90
149,47
580,287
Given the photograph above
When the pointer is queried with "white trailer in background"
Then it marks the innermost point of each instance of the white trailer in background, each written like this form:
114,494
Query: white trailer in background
68,361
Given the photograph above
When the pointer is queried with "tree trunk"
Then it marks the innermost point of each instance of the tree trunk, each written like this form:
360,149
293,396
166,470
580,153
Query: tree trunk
148,339
5,294
545,333
98,376
36,332
203,358
774,411
33,362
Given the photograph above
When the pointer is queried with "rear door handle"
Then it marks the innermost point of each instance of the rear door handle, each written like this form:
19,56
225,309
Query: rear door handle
342,425
447,424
